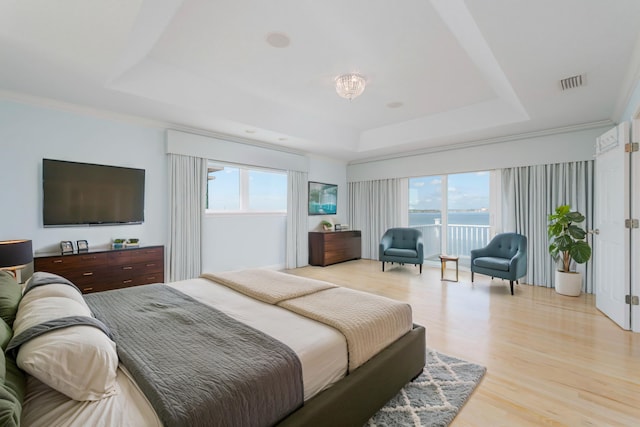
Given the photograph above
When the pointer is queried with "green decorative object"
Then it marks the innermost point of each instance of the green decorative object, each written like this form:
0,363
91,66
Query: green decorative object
567,239
118,243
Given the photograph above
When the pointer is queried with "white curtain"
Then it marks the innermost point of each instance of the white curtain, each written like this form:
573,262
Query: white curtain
530,194
187,192
374,207
296,245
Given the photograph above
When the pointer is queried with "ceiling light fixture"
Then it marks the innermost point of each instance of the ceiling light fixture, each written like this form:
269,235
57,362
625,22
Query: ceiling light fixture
350,85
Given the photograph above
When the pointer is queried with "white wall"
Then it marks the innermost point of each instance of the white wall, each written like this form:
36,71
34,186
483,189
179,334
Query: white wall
29,133
633,108
557,148
233,242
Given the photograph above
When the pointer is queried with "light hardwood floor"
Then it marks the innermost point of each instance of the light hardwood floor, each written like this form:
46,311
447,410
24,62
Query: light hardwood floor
551,360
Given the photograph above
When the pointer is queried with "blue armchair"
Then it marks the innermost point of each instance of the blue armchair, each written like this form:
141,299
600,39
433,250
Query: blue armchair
402,245
505,257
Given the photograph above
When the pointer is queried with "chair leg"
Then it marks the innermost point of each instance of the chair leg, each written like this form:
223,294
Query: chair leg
383,266
511,284
472,277
420,268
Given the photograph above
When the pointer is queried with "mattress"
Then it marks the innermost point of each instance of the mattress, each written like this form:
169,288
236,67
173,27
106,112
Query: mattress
322,351
45,407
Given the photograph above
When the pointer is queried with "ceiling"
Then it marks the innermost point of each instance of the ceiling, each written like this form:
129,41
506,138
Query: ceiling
438,72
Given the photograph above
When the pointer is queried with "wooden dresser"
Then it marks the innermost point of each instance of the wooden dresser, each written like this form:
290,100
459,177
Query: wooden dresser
330,247
111,269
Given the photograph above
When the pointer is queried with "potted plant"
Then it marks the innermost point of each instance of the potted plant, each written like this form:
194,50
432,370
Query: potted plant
326,225
567,242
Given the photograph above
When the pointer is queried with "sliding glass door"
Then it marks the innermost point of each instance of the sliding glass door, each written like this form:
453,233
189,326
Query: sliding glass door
452,211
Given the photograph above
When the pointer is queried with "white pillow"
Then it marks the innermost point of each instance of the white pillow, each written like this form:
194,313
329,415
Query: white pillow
79,361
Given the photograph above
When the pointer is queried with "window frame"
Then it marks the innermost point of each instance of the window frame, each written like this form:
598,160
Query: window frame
243,189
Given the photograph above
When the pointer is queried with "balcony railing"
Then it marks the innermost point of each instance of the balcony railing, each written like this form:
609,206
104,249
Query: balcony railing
461,238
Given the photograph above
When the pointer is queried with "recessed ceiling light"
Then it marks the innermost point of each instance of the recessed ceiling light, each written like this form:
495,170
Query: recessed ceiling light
250,131
279,40
282,139
395,104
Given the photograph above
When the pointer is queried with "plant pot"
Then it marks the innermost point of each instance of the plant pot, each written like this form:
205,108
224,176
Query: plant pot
568,283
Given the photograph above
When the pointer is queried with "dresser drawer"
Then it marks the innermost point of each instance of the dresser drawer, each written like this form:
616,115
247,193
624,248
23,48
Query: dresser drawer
332,247
145,254
68,262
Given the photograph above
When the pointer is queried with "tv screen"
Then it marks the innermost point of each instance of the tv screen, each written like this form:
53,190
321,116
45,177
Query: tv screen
89,194
323,198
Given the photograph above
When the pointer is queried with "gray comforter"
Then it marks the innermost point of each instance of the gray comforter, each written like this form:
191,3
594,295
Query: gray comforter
196,365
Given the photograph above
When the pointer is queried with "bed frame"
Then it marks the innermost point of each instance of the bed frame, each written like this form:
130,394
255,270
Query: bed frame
358,396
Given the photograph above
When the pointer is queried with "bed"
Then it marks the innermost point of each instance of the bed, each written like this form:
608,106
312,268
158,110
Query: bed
340,380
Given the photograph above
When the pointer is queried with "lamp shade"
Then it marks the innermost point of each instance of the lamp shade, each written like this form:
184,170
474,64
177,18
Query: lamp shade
15,253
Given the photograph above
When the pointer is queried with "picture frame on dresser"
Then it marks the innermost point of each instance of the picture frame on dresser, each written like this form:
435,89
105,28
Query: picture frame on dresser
66,247
83,245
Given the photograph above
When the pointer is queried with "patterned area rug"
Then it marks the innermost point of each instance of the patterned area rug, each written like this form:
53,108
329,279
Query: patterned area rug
435,397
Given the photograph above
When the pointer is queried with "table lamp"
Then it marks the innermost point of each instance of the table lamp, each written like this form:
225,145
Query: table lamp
15,255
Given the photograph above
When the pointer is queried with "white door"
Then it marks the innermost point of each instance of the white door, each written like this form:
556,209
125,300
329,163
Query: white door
612,241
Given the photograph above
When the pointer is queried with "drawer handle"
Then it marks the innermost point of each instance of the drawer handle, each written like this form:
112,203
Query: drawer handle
87,289
127,268
151,278
87,274
127,281
57,261
151,265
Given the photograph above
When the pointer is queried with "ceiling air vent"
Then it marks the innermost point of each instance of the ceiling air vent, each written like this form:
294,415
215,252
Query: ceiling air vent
572,82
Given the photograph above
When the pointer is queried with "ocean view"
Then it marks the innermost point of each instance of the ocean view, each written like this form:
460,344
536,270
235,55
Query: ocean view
460,218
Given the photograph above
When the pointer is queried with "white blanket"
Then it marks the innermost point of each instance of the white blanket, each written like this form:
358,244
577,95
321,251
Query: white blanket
369,322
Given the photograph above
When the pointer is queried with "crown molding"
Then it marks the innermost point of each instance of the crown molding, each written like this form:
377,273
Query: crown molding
69,107
488,141
158,124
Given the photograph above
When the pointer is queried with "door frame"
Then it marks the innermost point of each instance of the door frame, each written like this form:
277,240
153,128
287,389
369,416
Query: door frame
635,233
610,299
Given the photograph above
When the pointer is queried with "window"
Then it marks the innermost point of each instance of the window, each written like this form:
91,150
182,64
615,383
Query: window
232,189
452,211
425,200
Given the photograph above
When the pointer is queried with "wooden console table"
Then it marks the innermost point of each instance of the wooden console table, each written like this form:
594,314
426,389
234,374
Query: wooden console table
109,269
331,247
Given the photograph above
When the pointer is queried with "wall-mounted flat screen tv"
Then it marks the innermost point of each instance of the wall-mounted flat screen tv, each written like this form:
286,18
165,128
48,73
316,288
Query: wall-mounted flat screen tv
323,198
76,194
